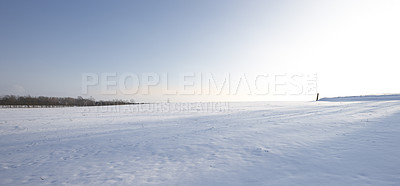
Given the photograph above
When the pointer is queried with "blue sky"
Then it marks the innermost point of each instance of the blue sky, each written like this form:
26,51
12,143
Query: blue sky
47,45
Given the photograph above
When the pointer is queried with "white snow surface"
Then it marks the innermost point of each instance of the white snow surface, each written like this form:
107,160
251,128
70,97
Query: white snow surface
254,143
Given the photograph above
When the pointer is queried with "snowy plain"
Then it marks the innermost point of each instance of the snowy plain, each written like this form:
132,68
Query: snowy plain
254,143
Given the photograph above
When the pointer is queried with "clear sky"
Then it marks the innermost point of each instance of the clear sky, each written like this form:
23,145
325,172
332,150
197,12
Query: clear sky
352,46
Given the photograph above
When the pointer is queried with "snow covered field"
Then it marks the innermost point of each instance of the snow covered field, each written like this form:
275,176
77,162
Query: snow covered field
258,143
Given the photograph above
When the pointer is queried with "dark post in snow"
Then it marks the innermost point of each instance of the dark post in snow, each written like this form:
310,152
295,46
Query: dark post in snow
317,97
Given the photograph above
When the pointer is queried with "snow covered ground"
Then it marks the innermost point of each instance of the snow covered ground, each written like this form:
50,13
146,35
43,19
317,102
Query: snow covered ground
258,143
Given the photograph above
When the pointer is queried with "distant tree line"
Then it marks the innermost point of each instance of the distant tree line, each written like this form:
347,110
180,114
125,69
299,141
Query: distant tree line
13,101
